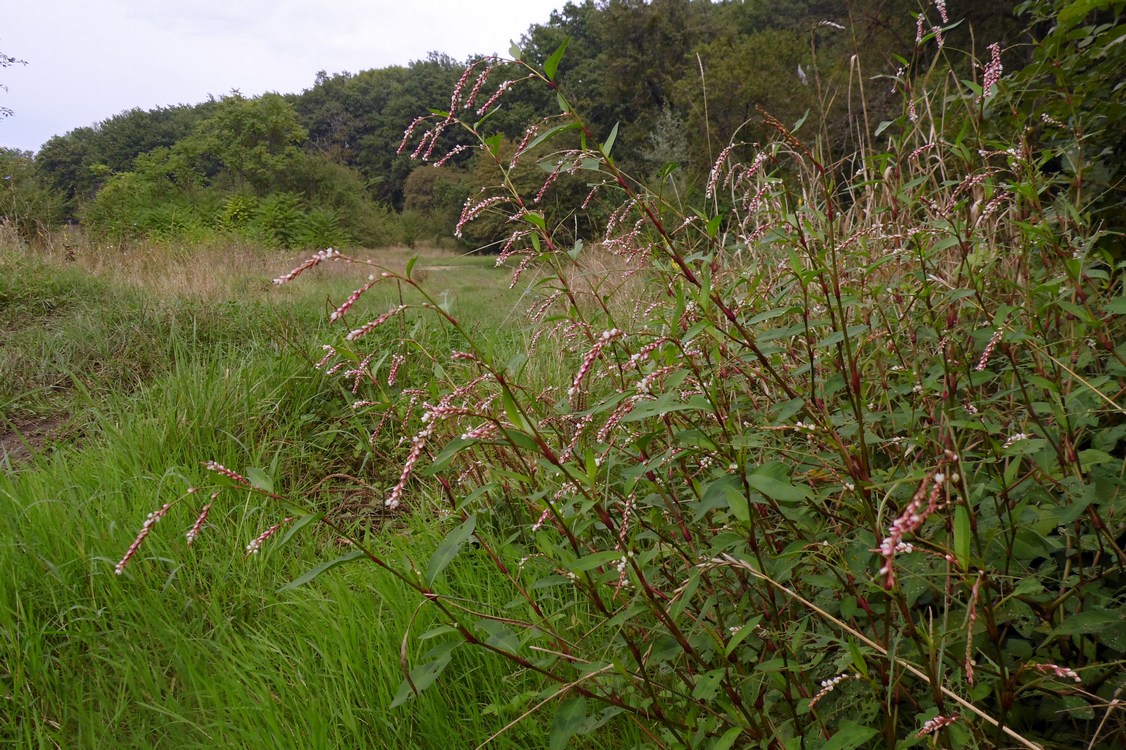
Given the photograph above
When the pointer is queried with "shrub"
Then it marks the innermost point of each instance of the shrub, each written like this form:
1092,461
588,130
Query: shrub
832,461
26,203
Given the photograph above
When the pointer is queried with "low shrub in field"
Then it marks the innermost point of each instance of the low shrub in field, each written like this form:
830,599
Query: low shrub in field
830,461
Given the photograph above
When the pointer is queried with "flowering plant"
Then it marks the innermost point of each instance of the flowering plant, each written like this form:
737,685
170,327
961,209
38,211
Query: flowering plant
832,455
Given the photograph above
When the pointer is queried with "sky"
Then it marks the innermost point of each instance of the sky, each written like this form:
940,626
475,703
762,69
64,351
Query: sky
88,60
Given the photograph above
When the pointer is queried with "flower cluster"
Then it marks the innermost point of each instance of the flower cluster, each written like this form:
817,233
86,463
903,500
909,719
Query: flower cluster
985,355
992,71
938,722
317,259
347,305
1062,672
197,527
256,543
367,328
827,686
219,468
152,520
591,356
908,522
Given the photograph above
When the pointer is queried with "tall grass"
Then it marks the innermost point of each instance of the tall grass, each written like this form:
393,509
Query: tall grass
841,467
197,646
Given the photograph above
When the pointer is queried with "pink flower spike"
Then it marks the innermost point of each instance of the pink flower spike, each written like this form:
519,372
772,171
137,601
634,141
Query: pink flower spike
339,312
418,444
330,352
489,68
504,87
989,350
1063,673
396,362
588,361
367,328
827,686
193,532
938,722
409,132
254,546
317,259
992,72
219,468
152,520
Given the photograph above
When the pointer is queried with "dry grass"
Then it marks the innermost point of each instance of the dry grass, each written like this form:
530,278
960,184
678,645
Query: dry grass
241,270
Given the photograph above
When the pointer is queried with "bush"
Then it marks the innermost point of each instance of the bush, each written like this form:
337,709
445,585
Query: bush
834,461
26,203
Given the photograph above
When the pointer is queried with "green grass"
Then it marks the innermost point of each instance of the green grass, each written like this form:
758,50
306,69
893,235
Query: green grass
197,647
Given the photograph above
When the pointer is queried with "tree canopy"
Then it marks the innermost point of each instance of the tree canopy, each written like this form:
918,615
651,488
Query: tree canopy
678,78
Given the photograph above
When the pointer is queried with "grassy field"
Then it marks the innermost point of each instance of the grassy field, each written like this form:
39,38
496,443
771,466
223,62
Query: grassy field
121,372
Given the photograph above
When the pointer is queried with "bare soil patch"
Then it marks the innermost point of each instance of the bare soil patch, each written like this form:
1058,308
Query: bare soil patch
21,439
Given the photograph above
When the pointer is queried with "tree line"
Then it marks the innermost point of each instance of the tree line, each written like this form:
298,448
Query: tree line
678,78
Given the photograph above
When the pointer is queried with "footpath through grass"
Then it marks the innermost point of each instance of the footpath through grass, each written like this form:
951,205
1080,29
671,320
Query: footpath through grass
197,647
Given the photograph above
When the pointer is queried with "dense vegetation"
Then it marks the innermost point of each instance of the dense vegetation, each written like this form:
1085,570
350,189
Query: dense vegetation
322,167
801,427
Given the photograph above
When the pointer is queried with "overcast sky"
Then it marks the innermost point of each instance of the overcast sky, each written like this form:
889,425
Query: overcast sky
88,60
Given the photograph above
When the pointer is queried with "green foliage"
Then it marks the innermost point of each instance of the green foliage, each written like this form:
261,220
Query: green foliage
240,172
1071,97
166,656
79,163
277,218
26,203
251,143
822,457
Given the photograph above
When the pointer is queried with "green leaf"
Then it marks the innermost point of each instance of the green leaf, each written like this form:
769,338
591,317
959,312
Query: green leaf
515,52
712,227
301,523
598,559
443,459
309,575
425,675
849,737
857,658
609,144
707,685
410,266
741,635
726,491
962,536
548,133
1116,306
260,479
516,365
552,63
499,635
1092,457
1090,621
449,548
570,716
776,489
727,741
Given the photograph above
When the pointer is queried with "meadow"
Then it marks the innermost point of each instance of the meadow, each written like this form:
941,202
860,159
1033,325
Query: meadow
818,447
125,370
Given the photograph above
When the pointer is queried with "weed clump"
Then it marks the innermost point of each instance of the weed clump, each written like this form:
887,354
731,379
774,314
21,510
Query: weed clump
842,458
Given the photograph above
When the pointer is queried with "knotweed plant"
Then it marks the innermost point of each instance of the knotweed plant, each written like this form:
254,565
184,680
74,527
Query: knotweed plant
766,494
